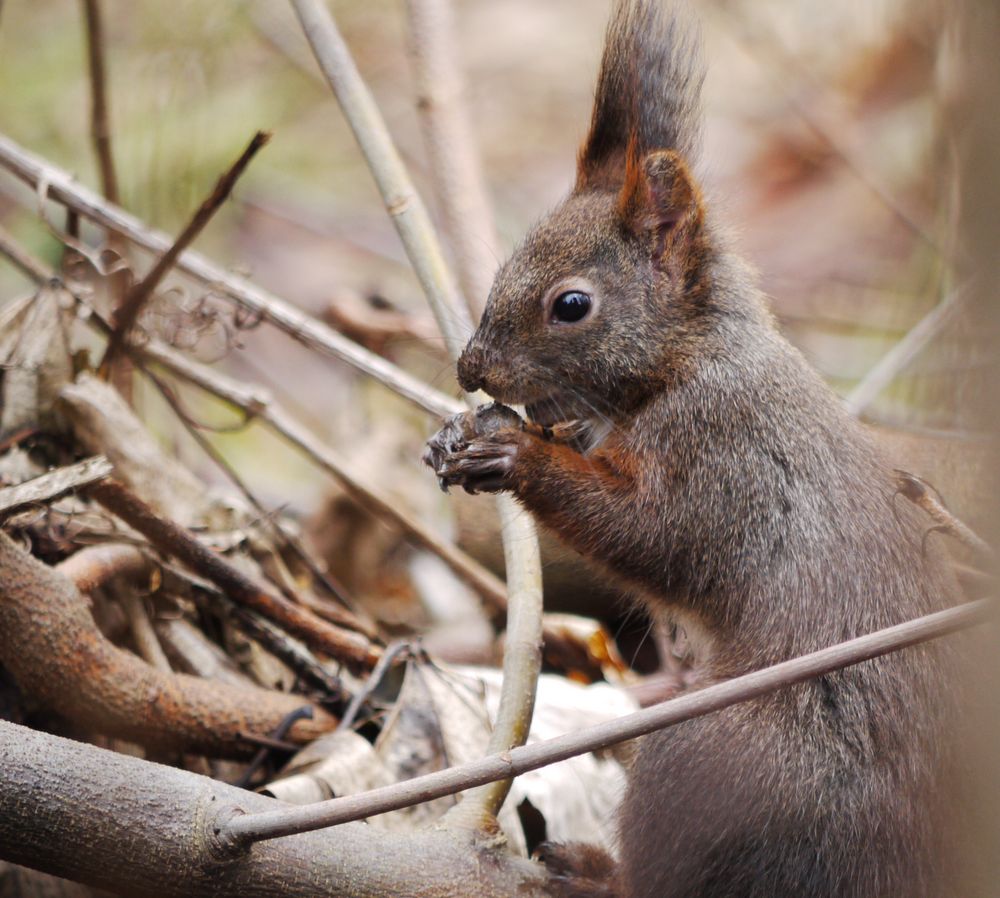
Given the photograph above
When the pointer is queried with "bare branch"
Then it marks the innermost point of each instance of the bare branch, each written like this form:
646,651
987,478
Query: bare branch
23,261
100,119
53,649
127,313
285,648
174,540
147,643
454,161
62,187
100,125
92,567
402,202
158,840
241,831
54,484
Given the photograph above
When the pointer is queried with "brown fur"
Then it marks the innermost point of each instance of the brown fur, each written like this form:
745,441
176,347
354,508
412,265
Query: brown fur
724,482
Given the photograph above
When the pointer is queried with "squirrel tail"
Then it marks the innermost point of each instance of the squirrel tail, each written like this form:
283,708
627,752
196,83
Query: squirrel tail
648,91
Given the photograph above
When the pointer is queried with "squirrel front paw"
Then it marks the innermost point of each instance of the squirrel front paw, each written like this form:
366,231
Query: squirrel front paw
476,450
486,465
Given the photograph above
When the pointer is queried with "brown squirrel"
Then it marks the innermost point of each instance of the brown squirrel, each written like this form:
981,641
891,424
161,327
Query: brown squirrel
712,471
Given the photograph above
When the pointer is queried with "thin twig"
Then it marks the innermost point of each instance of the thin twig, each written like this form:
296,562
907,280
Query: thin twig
256,404
341,616
23,261
56,183
240,831
127,313
197,654
289,651
174,540
401,200
522,652
392,653
303,713
100,119
100,133
459,186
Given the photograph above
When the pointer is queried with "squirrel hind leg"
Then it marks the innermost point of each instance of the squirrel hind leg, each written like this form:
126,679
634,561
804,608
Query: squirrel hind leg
578,870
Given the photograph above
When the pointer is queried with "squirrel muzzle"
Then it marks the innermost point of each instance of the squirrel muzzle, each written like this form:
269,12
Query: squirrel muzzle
472,364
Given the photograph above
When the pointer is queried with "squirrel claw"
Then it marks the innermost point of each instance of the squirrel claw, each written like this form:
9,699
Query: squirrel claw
485,466
458,452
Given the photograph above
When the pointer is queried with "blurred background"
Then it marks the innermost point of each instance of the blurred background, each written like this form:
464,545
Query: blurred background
830,158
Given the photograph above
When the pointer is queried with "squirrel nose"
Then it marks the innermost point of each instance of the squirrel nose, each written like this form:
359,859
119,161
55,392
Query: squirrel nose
470,368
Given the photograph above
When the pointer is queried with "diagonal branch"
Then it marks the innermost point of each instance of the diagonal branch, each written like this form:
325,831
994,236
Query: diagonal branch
897,359
258,405
53,484
241,831
127,313
56,183
270,413
402,202
22,260
174,540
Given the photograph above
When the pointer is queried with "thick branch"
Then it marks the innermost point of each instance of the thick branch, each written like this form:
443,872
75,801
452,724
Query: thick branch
243,830
53,649
141,829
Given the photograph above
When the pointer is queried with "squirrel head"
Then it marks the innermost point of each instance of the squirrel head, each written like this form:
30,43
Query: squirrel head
598,307
588,313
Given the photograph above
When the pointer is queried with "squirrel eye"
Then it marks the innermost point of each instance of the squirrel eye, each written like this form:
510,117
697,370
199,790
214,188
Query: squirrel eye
571,306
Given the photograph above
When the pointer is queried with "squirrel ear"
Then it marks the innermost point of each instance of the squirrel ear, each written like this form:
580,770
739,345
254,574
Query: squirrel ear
659,196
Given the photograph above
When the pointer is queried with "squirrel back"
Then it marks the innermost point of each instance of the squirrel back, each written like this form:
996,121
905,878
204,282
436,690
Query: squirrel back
711,469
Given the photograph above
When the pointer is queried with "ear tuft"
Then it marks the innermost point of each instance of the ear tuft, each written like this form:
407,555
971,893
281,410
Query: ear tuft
659,197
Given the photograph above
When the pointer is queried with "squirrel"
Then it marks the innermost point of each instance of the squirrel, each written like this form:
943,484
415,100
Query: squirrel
676,438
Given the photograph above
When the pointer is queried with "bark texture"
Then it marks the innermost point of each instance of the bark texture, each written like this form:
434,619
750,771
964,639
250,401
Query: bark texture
143,829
